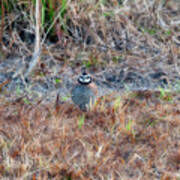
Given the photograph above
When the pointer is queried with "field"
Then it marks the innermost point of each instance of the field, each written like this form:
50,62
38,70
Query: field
132,50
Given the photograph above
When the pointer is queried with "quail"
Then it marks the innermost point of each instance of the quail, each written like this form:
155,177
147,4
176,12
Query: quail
84,92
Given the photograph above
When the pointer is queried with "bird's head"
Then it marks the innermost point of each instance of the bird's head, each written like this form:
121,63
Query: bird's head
84,78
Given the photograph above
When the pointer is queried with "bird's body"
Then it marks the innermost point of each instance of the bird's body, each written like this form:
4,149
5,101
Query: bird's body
83,94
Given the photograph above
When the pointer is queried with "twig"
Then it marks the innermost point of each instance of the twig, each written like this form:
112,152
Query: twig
37,49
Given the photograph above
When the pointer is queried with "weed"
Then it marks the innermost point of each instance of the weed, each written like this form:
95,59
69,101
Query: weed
168,33
129,125
62,12
117,103
41,74
18,90
165,94
65,98
57,80
108,14
93,61
26,101
117,59
129,128
81,121
178,86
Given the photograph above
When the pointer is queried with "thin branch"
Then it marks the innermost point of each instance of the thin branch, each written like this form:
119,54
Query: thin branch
37,49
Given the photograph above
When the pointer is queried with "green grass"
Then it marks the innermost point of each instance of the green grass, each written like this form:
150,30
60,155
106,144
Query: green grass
81,121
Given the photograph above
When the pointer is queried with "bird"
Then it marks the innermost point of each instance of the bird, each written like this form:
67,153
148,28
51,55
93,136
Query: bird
84,92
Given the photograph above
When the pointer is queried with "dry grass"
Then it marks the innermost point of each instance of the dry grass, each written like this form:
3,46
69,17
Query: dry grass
137,137
144,33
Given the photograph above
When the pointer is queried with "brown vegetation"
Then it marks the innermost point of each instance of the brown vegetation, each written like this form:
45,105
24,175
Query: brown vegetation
137,136
134,136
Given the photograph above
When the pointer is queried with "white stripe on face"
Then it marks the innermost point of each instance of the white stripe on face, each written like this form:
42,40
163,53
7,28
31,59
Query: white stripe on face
85,79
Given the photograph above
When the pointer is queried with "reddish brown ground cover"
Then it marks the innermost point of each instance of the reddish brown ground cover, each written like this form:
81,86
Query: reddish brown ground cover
136,137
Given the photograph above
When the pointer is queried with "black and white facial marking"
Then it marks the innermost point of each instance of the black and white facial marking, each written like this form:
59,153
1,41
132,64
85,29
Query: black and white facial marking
84,79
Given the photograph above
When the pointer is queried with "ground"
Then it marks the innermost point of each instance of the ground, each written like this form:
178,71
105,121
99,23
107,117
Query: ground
132,51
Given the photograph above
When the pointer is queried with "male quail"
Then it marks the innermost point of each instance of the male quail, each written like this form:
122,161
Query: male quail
85,91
